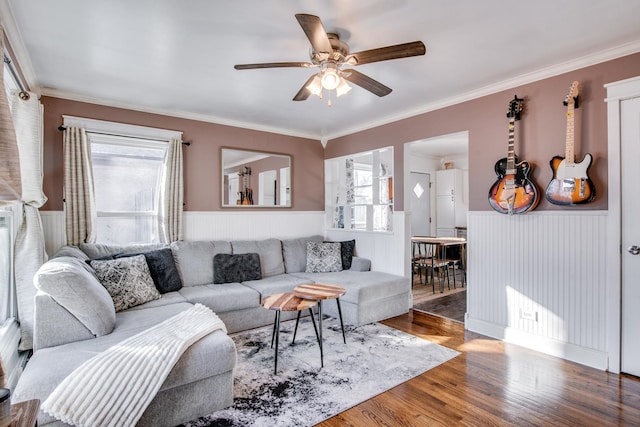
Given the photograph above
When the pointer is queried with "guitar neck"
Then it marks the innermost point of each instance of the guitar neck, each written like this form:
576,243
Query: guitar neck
511,156
569,157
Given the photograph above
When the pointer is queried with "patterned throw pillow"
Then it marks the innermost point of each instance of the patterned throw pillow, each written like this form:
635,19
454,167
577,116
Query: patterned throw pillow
347,248
127,280
323,257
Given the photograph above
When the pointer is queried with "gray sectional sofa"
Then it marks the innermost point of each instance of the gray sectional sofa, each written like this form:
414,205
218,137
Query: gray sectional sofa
75,317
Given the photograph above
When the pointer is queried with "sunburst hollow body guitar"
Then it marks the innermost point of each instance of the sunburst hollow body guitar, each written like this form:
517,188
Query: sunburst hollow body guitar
513,192
571,184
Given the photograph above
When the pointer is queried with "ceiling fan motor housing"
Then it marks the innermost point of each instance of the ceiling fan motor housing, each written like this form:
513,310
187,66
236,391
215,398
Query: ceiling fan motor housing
339,54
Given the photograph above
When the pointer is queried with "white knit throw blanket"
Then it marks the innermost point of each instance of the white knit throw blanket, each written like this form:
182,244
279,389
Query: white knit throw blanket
115,387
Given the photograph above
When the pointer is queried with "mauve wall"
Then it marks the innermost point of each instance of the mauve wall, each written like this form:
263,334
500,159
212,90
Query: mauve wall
201,159
540,134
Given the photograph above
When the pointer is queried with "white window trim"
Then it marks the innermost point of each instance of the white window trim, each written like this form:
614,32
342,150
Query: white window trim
121,129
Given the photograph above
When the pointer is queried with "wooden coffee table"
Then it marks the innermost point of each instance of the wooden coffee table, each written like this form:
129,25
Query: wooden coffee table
319,292
288,302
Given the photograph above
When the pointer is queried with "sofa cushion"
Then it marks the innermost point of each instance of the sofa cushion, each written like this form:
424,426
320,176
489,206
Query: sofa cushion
294,252
72,251
276,284
222,298
73,285
236,268
323,257
270,251
347,249
127,280
101,250
194,260
362,286
162,268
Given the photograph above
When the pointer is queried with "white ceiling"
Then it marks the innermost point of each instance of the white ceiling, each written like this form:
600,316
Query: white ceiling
177,57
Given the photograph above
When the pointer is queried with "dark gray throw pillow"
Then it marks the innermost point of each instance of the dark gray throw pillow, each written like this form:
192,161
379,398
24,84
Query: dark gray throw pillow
236,268
162,268
347,248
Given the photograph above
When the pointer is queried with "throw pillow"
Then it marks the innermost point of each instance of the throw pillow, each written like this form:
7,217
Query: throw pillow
127,280
236,268
347,248
323,257
162,268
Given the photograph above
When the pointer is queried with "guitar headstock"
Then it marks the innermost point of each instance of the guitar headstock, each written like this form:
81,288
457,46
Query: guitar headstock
572,96
515,107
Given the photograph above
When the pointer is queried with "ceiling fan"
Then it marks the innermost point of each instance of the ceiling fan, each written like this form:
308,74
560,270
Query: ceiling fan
331,55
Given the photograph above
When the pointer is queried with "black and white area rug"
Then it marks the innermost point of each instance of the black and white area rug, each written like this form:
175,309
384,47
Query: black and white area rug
374,359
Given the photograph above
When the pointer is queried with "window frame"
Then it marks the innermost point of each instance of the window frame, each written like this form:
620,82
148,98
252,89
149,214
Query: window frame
114,133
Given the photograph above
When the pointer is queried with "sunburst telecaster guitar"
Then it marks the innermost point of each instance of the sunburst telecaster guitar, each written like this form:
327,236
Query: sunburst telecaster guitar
571,184
513,192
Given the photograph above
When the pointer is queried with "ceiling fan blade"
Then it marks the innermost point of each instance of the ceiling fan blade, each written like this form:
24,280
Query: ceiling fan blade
273,65
304,93
313,28
366,82
403,50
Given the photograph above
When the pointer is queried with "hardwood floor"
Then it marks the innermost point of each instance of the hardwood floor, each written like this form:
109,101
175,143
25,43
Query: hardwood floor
492,383
452,306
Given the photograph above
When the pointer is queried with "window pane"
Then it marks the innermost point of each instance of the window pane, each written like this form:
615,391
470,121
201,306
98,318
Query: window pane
126,177
127,230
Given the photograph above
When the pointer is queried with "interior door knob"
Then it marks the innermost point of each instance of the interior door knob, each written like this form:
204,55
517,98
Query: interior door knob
634,250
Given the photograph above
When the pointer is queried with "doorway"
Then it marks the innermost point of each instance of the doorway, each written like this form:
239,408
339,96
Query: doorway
432,165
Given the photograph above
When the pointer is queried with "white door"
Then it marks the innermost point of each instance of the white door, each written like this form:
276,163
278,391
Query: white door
420,204
267,188
630,199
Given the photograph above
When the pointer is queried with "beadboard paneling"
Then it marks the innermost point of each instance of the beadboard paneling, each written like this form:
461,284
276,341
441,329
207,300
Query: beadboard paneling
252,225
225,225
540,275
55,236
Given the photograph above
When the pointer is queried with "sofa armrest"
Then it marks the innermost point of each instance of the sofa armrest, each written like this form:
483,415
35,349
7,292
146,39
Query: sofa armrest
54,325
360,264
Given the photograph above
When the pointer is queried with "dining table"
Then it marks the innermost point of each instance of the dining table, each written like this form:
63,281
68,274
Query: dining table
440,245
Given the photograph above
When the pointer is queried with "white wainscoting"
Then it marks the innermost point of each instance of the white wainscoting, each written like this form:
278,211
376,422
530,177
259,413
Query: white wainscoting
252,225
55,235
219,225
539,280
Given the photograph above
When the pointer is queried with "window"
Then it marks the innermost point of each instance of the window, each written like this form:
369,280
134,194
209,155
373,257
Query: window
127,175
127,169
359,191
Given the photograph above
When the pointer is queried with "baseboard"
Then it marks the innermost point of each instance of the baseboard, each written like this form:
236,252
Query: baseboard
586,356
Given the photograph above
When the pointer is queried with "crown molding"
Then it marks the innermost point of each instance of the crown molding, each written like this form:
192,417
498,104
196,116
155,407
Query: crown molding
18,47
531,77
55,93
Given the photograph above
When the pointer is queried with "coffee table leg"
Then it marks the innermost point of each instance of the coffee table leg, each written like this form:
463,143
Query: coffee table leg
341,323
275,369
273,333
295,330
320,332
313,320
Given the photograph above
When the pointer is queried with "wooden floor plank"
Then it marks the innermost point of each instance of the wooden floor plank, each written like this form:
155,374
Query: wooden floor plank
494,383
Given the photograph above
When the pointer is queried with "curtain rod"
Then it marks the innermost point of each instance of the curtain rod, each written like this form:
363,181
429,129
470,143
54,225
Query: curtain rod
23,94
187,143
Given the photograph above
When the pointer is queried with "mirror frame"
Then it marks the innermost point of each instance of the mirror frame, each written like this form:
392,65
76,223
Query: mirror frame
257,152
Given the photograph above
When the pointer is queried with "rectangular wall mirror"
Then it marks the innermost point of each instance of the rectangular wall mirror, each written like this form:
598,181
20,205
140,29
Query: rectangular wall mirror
255,178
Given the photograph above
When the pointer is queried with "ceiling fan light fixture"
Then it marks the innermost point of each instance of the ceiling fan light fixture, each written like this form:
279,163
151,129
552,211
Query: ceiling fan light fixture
330,77
315,87
343,87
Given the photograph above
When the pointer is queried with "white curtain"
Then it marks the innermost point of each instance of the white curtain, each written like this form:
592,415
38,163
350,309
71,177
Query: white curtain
10,185
79,193
171,194
30,251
